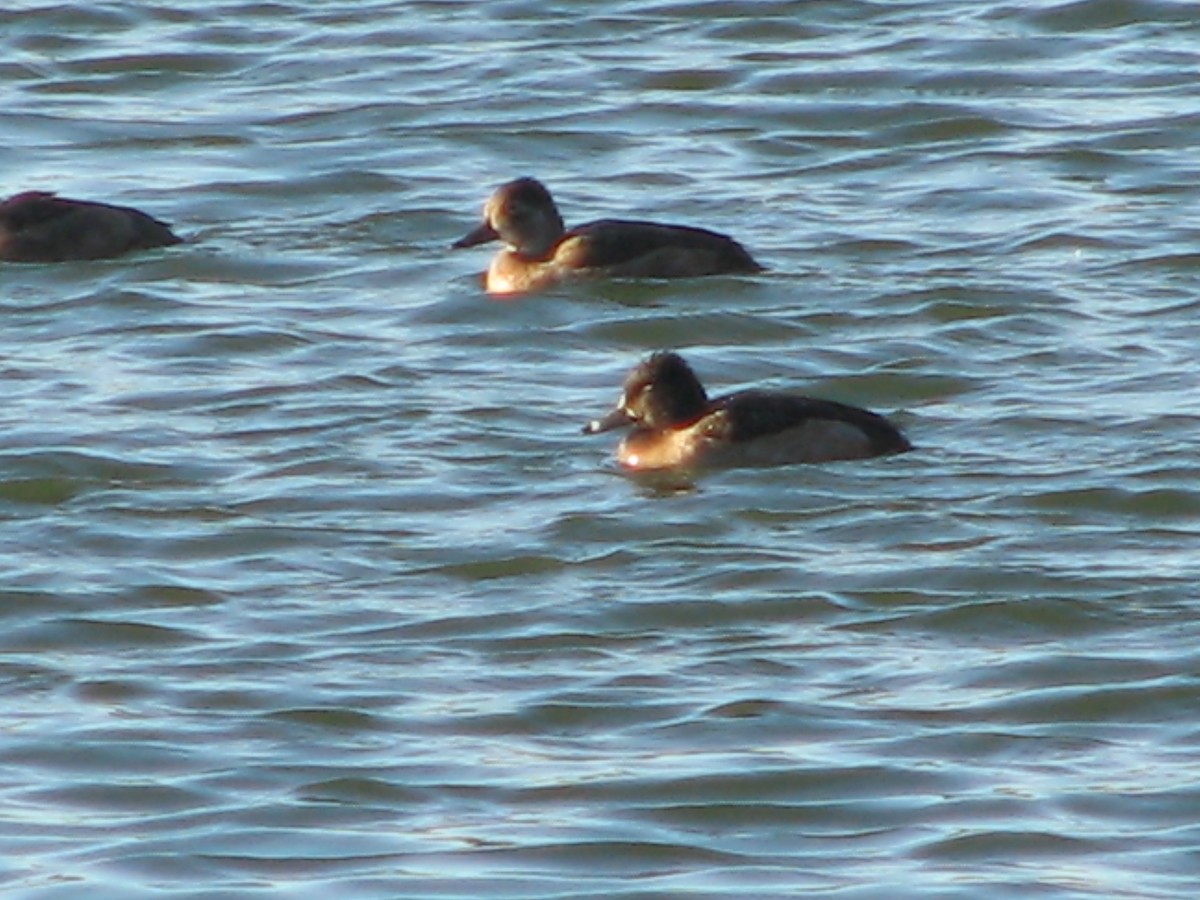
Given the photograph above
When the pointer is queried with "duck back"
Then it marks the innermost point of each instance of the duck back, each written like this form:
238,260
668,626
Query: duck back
650,249
754,415
41,227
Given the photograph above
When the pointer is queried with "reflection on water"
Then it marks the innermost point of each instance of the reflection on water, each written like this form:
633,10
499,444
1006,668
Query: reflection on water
312,585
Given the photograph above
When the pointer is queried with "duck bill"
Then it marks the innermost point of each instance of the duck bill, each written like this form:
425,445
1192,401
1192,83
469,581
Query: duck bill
480,235
615,419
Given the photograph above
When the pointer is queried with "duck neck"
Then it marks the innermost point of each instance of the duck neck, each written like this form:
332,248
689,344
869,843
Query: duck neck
539,243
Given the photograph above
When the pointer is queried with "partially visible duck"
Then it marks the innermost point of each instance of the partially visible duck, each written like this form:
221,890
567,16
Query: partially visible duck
38,226
676,425
541,252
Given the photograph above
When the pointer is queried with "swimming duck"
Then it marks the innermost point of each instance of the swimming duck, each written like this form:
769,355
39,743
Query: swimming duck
541,252
38,226
676,425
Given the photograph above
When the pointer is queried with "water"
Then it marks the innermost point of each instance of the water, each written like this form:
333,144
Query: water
313,589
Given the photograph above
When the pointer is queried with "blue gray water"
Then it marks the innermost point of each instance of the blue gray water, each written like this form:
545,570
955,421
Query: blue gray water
312,588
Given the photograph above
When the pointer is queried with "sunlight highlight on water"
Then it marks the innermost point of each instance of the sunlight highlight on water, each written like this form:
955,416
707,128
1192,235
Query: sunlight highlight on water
314,589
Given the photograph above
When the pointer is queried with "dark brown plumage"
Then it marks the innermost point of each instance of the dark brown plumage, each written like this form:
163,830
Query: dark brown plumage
39,227
539,252
675,424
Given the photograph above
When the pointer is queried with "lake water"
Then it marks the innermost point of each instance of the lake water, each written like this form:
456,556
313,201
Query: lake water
313,589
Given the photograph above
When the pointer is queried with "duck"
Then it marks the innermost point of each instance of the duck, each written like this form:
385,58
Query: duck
676,426
41,227
540,252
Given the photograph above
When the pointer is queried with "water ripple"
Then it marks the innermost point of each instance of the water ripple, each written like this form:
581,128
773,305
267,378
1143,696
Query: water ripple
315,589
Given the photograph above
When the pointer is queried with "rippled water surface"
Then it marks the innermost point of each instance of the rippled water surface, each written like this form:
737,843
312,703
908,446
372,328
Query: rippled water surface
313,589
